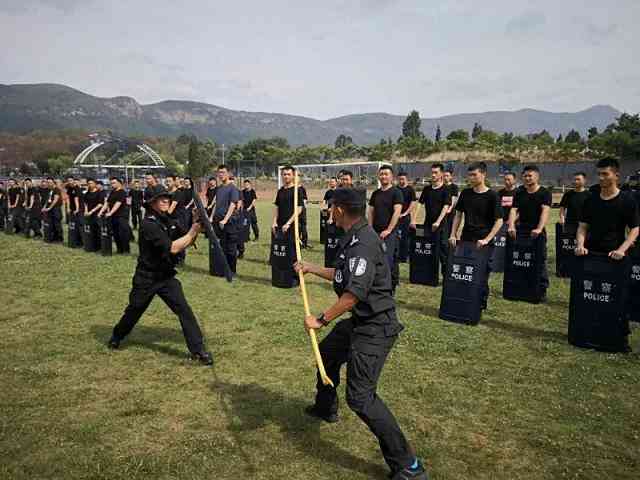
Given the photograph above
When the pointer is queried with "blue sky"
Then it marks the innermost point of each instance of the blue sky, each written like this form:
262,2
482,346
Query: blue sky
331,58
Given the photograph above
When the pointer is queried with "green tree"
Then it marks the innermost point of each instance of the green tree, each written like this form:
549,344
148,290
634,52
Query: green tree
573,137
342,141
459,135
593,131
411,125
559,139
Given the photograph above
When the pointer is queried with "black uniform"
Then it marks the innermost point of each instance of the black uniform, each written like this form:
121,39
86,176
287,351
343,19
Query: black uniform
573,201
33,214
434,200
155,275
408,197
481,210
73,192
608,221
284,204
225,196
304,234
120,220
529,207
211,195
454,191
16,197
3,207
364,341
136,197
91,201
248,196
383,203
55,214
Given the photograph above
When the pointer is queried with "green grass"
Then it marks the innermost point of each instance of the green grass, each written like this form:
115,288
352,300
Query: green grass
504,400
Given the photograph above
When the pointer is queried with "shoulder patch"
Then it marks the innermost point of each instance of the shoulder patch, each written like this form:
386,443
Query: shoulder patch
362,267
353,241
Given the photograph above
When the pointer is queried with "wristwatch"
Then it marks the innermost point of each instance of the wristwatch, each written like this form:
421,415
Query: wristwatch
322,320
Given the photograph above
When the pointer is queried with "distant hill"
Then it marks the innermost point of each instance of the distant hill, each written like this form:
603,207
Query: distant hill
24,108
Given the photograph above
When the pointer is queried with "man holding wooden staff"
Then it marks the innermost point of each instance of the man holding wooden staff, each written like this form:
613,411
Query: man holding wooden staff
362,281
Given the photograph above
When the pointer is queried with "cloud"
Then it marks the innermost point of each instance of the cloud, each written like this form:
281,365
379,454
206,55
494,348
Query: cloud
25,6
526,22
597,35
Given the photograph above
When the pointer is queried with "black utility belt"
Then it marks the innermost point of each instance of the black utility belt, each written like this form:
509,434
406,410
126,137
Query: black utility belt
156,276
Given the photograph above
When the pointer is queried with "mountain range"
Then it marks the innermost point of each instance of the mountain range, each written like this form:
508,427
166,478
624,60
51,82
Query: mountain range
24,108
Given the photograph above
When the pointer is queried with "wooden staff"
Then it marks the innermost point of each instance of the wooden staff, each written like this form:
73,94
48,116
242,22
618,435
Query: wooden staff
303,289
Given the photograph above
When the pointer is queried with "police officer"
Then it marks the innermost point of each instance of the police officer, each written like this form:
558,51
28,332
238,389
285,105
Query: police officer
362,281
160,239
135,194
16,200
249,199
116,211
32,209
3,205
225,218
53,210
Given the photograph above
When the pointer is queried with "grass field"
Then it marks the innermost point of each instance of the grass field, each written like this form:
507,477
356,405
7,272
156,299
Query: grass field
507,399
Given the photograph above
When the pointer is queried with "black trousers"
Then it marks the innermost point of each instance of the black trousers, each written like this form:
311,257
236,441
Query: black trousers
544,276
121,234
391,254
364,361
136,217
33,224
228,240
253,221
17,216
55,220
403,241
145,288
445,232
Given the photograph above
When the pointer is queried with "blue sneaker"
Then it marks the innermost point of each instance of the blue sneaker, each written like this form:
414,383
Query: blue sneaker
408,473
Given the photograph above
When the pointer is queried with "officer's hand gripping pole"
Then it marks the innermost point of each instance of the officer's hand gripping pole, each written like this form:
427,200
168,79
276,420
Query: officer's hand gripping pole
303,289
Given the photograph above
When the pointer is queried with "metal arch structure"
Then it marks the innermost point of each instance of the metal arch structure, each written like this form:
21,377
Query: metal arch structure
146,151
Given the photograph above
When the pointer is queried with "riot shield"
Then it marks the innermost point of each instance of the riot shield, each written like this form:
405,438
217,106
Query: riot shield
47,230
27,223
424,256
633,296
496,262
106,247
10,226
73,231
565,249
599,288
462,291
90,235
282,259
523,268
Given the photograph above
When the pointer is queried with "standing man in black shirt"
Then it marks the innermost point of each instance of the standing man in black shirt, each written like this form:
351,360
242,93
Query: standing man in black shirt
573,200
211,195
408,205
3,205
93,203
326,200
160,238
53,209
225,218
436,199
284,214
16,209
73,200
507,193
362,282
249,199
385,208
453,193
531,208
304,235
605,217
135,195
32,210
117,210
479,208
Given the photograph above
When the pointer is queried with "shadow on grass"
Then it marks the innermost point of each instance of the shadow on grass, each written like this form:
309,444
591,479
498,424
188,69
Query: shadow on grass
146,337
522,331
256,407
424,309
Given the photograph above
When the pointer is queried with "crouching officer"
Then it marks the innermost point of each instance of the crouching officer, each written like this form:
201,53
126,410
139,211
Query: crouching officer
362,281
160,239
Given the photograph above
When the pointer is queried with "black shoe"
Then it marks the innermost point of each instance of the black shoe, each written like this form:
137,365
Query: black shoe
114,343
408,473
204,357
312,411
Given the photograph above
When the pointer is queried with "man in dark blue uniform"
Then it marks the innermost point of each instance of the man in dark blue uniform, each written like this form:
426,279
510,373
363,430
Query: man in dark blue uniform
160,239
362,281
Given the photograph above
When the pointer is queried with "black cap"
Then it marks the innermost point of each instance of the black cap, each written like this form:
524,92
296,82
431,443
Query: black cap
349,197
160,194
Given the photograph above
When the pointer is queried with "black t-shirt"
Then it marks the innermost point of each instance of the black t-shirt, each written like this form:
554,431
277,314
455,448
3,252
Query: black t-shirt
506,201
43,193
53,192
181,197
573,202
284,202
119,196
383,203
248,196
530,205
434,199
32,192
408,197
328,195
136,198
211,194
92,199
15,194
607,220
73,192
481,210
